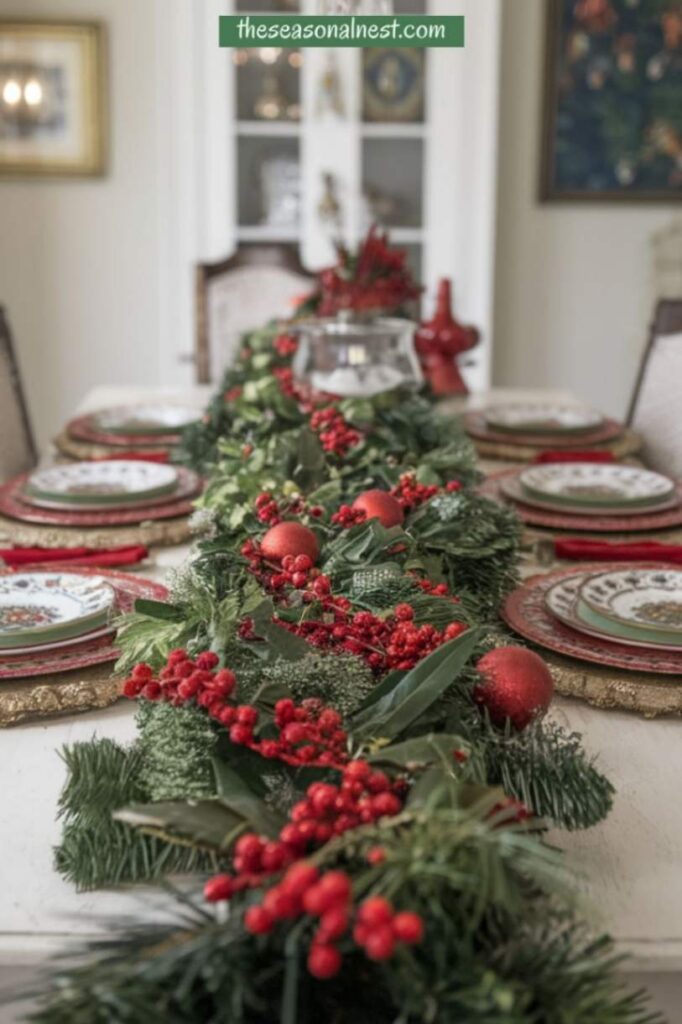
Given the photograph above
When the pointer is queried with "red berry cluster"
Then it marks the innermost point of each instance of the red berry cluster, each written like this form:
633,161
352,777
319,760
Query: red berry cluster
435,589
515,810
307,734
271,511
328,899
295,571
183,679
348,516
291,388
267,509
233,394
336,435
286,345
364,796
411,494
392,643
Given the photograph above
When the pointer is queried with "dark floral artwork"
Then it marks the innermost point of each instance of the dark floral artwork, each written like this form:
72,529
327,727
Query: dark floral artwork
613,103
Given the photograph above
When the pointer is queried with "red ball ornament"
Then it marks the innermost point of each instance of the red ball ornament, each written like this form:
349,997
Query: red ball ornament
382,506
515,684
289,539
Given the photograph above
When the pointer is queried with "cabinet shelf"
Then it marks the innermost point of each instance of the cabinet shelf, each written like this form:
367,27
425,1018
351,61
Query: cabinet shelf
406,236
266,233
260,129
389,130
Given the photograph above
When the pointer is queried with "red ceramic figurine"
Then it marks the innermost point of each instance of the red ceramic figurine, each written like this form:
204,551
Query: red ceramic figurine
439,341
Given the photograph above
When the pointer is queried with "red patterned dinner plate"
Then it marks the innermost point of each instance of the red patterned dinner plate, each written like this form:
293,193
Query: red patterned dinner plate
90,652
661,520
13,504
476,425
83,429
527,614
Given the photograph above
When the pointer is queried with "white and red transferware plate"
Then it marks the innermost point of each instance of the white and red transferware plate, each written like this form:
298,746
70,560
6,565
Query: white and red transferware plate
181,503
525,611
562,599
475,425
511,487
91,651
607,523
83,428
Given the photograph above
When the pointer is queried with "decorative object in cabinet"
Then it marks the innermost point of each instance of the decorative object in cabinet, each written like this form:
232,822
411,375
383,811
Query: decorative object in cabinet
393,85
281,190
330,98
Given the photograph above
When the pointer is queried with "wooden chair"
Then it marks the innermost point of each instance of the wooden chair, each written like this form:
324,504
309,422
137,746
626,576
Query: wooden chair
655,406
17,447
259,283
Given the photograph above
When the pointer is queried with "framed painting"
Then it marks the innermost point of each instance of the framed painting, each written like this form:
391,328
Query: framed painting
52,99
613,101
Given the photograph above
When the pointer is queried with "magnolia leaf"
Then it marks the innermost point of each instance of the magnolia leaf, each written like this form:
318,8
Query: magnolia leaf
283,644
436,748
236,794
440,788
205,822
159,610
325,493
418,689
311,463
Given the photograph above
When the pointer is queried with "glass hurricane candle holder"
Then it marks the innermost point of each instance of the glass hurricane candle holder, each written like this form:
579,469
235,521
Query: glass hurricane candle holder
357,358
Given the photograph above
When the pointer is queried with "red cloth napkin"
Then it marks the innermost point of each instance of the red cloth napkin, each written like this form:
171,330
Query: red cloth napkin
575,456
609,551
136,456
15,558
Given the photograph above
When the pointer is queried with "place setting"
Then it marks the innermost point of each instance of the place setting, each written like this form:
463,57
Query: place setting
149,430
618,616
99,504
521,431
58,637
589,497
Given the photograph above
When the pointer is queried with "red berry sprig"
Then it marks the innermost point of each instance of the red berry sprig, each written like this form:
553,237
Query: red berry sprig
363,797
336,435
309,733
327,900
286,345
411,494
348,516
395,642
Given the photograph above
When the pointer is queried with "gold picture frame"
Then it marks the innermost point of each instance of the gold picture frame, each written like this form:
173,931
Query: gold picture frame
53,99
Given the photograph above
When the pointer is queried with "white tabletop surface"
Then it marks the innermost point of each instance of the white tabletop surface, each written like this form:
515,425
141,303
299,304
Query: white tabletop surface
630,863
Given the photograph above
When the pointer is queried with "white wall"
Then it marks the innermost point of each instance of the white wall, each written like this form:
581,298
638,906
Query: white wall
79,260
574,290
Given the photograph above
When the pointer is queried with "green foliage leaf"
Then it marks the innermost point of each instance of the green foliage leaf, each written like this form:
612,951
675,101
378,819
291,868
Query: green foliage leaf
209,823
158,610
236,794
420,751
412,695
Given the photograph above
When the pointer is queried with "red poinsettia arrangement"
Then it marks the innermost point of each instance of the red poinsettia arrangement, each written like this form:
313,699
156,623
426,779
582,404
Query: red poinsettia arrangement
375,279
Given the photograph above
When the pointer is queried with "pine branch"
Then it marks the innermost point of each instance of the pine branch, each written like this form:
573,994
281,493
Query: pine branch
95,851
547,769
501,945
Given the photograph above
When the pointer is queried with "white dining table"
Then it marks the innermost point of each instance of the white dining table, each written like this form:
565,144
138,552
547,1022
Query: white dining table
627,868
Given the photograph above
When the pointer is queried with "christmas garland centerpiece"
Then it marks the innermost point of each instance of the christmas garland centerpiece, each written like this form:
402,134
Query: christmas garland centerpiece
337,742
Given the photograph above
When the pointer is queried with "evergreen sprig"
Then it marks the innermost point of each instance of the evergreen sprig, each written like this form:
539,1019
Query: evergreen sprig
501,946
95,851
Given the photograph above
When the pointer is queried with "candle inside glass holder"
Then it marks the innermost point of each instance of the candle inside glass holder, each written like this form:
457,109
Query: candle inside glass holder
357,358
